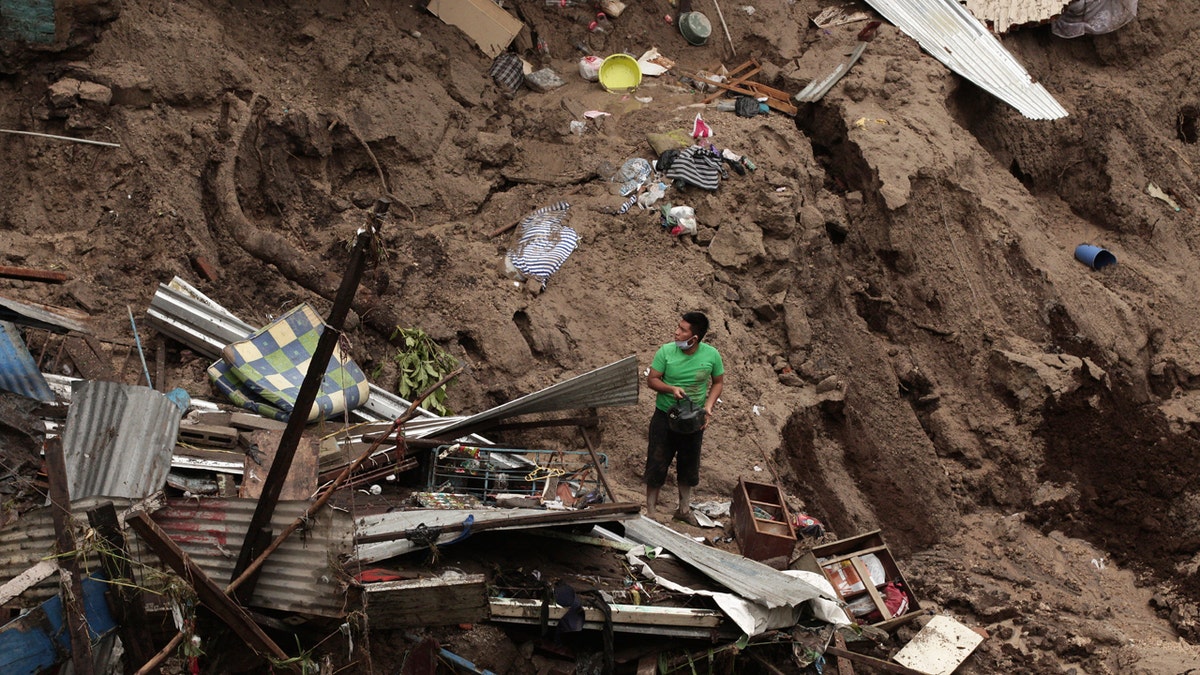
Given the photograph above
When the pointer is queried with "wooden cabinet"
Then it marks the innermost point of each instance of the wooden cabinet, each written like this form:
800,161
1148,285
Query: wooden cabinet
861,569
761,522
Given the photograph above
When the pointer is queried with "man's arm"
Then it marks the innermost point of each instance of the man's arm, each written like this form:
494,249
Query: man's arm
714,392
654,381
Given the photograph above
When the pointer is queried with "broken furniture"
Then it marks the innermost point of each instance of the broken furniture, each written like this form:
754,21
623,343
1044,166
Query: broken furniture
741,84
862,571
761,522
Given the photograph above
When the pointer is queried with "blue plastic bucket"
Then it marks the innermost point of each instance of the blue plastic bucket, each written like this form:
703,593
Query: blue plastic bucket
1094,257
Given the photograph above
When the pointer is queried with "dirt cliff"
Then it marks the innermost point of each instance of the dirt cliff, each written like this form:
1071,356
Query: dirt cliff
909,342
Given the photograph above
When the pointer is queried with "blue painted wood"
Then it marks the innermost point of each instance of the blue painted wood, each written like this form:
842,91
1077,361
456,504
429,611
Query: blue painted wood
35,641
27,20
18,371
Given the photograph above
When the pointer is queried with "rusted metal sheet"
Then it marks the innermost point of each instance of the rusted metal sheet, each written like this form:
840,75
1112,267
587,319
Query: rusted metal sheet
18,371
613,385
298,577
949,33
118,440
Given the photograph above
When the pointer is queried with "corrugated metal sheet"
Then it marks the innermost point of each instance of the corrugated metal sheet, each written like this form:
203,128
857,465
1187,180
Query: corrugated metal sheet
398,523
612,385
948,32
817,89
180,310
1005,14
18,371
298,577
42,316
748,578
118,440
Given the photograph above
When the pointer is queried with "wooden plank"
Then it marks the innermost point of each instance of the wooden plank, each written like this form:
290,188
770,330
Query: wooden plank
886,666
69,574
628,615
27,579
30,274
427,602
125,599
864,576
91,366
249,422
160,363
210,595
756,69
845,666
301,479
860,552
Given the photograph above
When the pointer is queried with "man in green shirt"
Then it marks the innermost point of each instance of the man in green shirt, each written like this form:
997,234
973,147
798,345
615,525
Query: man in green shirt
681,368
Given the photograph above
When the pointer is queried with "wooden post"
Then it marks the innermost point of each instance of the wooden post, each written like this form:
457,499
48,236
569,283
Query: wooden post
68,571
228,611
885,666
845,667
125,599
612,496
307,395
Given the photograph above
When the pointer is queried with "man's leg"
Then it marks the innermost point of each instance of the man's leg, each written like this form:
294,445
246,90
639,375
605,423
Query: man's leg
685,501
652,499
687,469
659,454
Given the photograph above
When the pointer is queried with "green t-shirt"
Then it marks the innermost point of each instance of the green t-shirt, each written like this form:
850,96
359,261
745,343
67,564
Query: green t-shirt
692,372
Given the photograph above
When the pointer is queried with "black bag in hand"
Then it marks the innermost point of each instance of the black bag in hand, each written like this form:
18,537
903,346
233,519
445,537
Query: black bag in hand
685,417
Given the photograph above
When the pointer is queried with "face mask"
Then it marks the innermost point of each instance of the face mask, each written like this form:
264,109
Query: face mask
685,344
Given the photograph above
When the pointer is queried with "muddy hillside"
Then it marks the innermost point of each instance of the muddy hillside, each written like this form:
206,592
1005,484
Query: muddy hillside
910,344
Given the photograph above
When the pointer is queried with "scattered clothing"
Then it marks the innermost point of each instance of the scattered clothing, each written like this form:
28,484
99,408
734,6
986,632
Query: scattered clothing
508,72
543,244
696,165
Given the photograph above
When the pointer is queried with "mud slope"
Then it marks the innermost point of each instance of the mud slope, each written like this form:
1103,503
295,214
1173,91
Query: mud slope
909,342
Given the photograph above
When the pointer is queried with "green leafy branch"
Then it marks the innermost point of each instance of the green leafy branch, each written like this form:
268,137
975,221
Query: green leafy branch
422,363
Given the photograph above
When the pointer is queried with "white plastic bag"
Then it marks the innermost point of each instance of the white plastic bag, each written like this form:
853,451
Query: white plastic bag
589,68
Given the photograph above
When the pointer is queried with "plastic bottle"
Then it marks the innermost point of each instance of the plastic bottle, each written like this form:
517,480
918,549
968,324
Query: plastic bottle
727,105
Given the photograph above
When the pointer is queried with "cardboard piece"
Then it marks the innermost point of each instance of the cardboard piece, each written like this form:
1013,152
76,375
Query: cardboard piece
492,28
940,647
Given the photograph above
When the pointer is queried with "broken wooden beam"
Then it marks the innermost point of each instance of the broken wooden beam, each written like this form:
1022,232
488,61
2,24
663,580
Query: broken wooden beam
309,388
886,666
70,581
125,598
210,595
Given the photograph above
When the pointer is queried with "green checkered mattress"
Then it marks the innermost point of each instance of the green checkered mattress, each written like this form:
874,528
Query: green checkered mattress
263,373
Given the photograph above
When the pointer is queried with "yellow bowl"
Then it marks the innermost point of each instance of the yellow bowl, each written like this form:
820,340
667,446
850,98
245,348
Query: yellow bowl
620,72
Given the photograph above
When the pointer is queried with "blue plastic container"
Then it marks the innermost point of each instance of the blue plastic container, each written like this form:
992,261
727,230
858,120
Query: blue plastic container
1094,257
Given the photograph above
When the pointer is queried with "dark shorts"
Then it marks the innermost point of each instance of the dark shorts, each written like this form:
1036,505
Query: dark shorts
666,445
